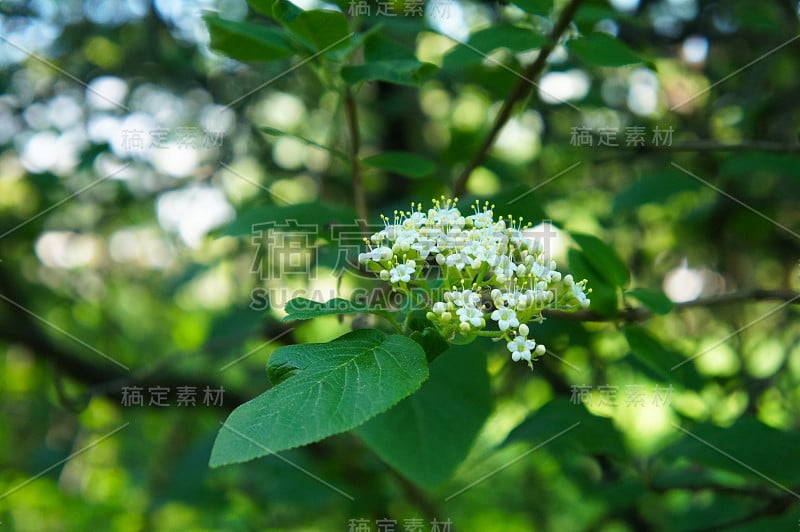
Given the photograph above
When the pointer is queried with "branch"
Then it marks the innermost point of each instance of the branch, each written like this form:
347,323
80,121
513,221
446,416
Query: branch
701,146
638,314
355,163
521,90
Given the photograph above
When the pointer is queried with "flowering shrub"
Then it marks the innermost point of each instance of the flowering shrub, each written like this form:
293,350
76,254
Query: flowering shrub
484,277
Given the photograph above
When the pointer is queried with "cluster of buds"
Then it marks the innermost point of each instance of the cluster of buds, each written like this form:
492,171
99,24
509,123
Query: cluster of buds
491,271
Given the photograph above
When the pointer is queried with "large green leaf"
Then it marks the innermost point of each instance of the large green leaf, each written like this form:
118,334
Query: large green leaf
320,390
398,71
592,435
483,42
247,41
403,163
602,50
427,435
321,29
603,259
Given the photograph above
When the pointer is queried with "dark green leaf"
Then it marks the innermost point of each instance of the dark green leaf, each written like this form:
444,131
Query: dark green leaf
593,435
322,29
263,7
247,41
603,259
769,451
482,43
603,296
658,362
401,72
427,435
655,300
320,390
535,7
403,163
603,50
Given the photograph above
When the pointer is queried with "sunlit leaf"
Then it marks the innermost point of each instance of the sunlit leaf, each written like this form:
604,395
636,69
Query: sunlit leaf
320,390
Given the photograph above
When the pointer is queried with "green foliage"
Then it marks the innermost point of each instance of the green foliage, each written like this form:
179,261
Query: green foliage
403,163
655,300
603,50
396,394
583,433
320,390
603,259
247,41
484,42
426,436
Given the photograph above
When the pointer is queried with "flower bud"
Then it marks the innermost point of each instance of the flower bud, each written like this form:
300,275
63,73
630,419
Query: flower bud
439,307
540,350
384,275
464,326
523,330
446,317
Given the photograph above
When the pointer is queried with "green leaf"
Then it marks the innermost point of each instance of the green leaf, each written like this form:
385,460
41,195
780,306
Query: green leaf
771,452
305,309
300,217
284,11
426,436
399,71
655,300
593,435
535,7
483,42
602,50
400,162
603,259
750,165
659,363
246,41
320,390
263,7
321,29
603,296
278,133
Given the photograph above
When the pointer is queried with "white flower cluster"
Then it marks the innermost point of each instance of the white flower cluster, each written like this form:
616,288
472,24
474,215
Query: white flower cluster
490,271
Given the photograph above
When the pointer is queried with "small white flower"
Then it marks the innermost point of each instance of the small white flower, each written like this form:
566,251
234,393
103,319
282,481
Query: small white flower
505,318
401,272
424,248
520,348
470,315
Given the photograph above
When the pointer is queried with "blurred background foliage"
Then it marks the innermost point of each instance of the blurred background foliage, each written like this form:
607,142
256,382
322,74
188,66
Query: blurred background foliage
134,160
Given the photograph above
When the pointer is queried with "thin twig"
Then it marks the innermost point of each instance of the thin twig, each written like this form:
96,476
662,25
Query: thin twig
766,146
355,163
637,314
521,90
